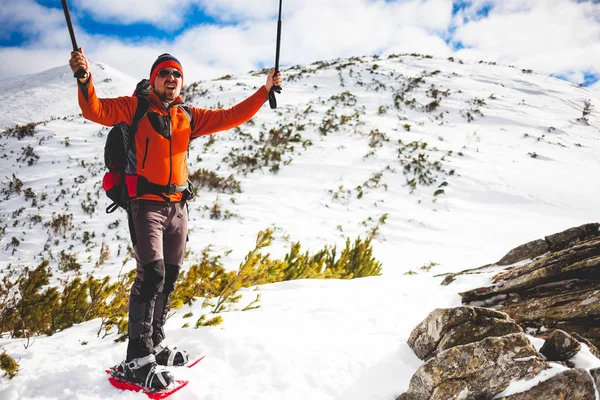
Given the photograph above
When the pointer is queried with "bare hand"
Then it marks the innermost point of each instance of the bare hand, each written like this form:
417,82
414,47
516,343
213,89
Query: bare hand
79,61
273,80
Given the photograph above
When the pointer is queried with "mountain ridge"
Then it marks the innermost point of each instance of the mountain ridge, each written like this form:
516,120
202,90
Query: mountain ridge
449,164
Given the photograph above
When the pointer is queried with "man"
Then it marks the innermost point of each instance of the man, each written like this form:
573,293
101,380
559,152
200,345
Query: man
156,178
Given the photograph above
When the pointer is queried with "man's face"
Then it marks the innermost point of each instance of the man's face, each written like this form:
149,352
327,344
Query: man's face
168,87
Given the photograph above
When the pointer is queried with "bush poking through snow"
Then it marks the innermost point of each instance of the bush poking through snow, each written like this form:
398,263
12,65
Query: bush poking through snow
20,131
271,149
209,280
202,321
8,365
418,168
204,178
29,307
14,186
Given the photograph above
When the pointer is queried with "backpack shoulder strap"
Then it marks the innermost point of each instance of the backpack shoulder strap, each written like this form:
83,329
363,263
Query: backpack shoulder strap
140,112
188,114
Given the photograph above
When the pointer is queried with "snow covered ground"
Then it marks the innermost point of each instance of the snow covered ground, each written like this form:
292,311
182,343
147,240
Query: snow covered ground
524,165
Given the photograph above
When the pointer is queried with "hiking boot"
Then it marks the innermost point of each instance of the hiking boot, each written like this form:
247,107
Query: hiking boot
145,372
170,357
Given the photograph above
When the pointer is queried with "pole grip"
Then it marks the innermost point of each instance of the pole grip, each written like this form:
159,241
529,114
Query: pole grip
272,99
80,73
276,89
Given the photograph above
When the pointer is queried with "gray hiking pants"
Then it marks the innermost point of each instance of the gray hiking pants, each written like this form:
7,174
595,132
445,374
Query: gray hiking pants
159,234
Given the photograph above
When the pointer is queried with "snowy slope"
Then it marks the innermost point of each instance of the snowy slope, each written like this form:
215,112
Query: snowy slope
508,148
49,94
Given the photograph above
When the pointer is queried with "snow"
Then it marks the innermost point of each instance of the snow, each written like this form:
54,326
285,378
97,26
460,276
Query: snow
523,386
317,339
50,94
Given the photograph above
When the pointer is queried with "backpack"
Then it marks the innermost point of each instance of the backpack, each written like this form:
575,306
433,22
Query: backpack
115,151
115,154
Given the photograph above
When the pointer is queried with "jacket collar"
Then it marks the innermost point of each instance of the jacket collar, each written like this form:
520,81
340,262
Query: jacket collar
157,102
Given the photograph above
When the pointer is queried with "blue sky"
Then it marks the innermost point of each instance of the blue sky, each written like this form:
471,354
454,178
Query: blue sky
216,37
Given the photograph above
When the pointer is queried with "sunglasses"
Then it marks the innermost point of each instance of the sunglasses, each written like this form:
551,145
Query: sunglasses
165,72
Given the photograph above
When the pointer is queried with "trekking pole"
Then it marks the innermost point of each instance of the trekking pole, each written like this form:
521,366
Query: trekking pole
272,99
80,72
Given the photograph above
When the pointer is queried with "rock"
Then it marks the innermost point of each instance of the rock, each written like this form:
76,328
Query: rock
476,370
562,240
527,251
555,242
448,327
595,373
560,346
580,261
474,353
572,384
590,345
557,290
412,396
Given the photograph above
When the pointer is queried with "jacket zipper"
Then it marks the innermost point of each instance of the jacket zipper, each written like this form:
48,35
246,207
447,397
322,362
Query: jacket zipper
168,125
146,153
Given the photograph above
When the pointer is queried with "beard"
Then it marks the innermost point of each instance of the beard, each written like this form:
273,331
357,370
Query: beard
167,95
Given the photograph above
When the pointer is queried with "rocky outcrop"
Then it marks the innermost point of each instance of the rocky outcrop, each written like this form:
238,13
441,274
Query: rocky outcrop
446,328
551,243
474,353
476,370
572,384
471,353
595,373
558,289
593,349
560,346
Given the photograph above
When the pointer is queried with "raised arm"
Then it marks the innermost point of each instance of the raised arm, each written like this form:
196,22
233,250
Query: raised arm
103,111
211,121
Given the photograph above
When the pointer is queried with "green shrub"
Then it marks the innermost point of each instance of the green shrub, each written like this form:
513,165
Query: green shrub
61,223
27,303
376,138
204,279
208,279
417,165
8,365
116,306
269,150
28,155
29,307
68,262
204,178
587,110
202,321
14,186
20,131
346,99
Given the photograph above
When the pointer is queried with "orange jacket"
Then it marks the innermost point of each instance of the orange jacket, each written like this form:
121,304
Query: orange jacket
163,136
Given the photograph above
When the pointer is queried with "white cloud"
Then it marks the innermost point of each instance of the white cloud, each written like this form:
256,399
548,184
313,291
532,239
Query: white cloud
29,18
30,61
531,34
524,33
319,30
166,14
335,30
230,10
